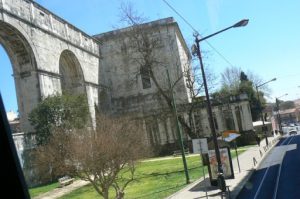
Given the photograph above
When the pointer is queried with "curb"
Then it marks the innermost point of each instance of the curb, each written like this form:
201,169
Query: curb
266,153
234,193
189,186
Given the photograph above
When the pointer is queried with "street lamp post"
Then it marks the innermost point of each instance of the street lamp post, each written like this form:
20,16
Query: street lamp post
178,131
278,114
261,113
197,52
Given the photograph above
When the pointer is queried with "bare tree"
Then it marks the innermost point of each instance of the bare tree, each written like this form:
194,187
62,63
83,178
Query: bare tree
194,83
49,159
146,47
235,82
107,156
230,79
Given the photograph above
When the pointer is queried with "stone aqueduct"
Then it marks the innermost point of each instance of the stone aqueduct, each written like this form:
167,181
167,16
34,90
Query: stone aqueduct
48,55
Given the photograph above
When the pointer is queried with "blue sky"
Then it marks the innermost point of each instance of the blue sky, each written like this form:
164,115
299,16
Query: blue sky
269,46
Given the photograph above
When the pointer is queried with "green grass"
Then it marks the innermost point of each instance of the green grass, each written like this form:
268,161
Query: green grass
42,189
154,179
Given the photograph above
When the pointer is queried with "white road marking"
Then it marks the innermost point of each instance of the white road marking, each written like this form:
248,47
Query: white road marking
275,154
278,175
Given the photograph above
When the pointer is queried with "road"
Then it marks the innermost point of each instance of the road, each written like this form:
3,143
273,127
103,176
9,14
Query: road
278,177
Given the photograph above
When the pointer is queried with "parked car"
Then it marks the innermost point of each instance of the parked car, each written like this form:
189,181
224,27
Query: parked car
293,132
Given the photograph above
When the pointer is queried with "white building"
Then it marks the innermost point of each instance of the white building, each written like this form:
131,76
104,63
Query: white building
126,74
132,90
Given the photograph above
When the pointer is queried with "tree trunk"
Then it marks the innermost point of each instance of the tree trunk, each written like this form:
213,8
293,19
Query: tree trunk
120,194
105,194
186,128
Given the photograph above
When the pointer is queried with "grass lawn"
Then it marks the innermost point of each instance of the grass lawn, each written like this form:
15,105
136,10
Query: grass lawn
156,178
42,189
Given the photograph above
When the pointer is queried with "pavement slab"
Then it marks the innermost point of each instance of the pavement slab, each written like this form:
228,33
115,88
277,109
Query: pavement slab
58,192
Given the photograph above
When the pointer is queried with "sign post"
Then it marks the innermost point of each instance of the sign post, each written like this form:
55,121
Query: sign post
200,146
229,136
237,156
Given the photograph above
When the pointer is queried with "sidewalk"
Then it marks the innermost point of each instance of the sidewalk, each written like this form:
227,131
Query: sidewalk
58,192
199,188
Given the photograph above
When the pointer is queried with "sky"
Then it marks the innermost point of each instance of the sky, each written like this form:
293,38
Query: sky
268,46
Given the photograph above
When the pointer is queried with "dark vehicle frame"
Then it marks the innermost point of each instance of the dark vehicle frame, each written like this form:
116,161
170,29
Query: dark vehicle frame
293,132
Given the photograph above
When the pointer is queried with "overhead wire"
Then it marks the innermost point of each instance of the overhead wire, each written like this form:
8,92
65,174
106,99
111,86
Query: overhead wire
209,44
194,29
180,16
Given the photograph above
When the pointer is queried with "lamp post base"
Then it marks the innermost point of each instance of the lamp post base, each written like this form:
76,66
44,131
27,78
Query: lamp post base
221,182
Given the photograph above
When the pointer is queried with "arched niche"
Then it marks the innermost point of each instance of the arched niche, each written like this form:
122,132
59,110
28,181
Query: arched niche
72,80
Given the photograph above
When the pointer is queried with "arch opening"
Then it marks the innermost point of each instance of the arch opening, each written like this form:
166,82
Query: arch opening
72,80
22,88
24,66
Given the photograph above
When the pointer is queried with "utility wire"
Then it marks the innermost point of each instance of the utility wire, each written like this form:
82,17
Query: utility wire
194,29
180,16
224,58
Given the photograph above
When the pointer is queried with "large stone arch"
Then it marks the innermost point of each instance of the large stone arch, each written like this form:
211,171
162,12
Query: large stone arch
23,60
72,79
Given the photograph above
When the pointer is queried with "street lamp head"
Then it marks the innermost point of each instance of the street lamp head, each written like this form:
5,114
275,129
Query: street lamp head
281,96
274,79
241,23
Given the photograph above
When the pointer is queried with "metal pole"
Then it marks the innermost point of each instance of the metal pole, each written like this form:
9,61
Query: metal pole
178,131
278,115
203,38
277,110
221,179
280,126
241,23
262,117
237,156
203,172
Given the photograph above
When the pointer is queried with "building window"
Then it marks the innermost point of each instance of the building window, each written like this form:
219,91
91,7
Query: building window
145,75
153,131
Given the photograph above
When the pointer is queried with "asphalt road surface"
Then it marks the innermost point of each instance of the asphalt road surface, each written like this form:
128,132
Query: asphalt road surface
278,177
